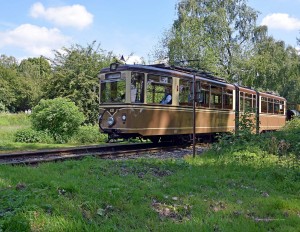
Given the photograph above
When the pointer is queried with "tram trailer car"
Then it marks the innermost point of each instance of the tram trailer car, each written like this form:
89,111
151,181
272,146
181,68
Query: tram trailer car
130,104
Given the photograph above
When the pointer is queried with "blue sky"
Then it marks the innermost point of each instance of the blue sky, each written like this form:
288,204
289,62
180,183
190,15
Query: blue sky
30,28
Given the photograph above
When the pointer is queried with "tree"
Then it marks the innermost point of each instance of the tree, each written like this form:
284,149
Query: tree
7,84
273,66
59,116
34,74
75,72
217,32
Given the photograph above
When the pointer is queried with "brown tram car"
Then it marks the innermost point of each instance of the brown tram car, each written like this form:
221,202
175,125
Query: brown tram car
130,103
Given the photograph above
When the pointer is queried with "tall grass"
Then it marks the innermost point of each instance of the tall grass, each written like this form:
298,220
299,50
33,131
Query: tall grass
9,125
20,125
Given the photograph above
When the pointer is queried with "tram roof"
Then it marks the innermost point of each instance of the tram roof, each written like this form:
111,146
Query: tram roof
163,69
176,71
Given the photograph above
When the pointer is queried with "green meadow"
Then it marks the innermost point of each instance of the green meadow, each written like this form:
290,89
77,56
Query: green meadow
239,188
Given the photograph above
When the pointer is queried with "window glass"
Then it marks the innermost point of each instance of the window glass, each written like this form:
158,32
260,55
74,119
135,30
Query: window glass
276,106
241,101
137,87
270,105
254,102
204,95
248,102
113,89
264,105
157,88
215,97
228,99
281,107
184,92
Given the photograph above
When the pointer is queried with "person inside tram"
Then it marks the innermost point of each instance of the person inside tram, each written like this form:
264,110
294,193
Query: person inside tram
168,96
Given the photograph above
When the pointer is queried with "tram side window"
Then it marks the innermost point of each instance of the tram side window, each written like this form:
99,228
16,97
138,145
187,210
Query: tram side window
242,101
216,97
137,87
205,89
156,88
276,107
270,105
113,89
281,107
248,102
264,105
228,99
184,91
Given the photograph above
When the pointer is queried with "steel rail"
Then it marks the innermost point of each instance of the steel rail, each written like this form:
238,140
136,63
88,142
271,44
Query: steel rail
102,151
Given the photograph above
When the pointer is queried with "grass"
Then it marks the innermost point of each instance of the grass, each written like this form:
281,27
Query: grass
237,187
11,123
208,193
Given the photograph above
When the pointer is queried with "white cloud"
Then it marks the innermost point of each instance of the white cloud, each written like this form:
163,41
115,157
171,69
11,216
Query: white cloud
66,16
34,40
133,59
281,21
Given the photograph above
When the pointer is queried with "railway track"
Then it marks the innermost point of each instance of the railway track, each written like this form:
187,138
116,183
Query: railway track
102,151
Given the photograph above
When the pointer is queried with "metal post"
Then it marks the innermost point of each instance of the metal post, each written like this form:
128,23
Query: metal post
194,115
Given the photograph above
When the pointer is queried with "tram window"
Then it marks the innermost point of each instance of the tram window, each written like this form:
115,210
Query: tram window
242,101
248,102
228,99
254,102
270,105
264,105
156,86
137,87
281,107
205,89
276,107
184,91
113,89
215,97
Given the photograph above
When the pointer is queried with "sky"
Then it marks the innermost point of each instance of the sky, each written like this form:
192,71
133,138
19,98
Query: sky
32,28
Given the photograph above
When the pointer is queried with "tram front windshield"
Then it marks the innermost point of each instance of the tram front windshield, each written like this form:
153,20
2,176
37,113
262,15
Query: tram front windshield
113,89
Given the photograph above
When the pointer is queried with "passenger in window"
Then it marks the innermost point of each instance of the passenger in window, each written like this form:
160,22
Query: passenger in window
168,96
133,91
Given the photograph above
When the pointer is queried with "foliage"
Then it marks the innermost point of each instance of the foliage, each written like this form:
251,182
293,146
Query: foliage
32,136
2,107
217,33
75,72
273,66
211,193
88,135
20,86
283,143
60,117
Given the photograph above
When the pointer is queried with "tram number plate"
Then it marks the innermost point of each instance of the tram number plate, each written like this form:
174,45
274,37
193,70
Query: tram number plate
112,110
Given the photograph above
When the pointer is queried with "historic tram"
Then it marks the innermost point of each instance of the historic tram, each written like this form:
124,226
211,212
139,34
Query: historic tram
132,97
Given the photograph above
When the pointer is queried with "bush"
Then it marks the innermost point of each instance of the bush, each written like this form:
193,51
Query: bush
32,136
88,134
2,107
292,125
59,116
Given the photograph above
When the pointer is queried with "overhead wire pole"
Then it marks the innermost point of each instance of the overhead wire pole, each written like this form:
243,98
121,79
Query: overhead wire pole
194,105
194,115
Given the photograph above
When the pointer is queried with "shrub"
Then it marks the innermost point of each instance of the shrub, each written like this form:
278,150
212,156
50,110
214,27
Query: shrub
2,107
88,134
292,125
32,136
59,116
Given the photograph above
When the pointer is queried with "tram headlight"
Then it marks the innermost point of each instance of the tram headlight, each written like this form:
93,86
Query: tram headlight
124,117
110,121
